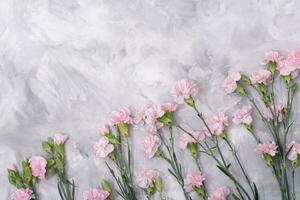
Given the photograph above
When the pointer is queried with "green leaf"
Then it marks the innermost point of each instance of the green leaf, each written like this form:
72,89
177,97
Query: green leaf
47,147
26,173
105,186
256,196
123,128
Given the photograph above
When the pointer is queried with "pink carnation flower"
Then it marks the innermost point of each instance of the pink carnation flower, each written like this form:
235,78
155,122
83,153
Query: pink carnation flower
278,109
60,138
151,145
22,194
267,148
147,178
141,115
243,115
103,147
123,115
192,180
103,129
229,83
261,76
185,139
295,150
217,123
220,194
95,194
286,69
294,58
38,166
272,56
169,107
184,89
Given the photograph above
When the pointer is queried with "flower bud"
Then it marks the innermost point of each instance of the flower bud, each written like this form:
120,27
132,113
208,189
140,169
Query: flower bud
200,191
190,101
149,191
245,79
158,185
159,154
240,89
223,135
193,147
47,147
249,127
105,186
166,119
287,79
268,158
272,67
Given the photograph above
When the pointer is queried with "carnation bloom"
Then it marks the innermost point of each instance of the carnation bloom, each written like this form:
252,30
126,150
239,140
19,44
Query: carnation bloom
261,76
22,194
103,129
151,145
169,107
123,115
230,83
103,147
272,56
286,69
185,138
267,148
60,138
220,194
192,180
243,115
184,89
147,178
278,109
95,194
294,58
295,150
38,166
217,123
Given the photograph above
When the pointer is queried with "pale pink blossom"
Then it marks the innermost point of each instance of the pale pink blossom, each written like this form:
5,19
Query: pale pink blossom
286,69
243,115
147,178
295,150
220,194
95,194
267,148
184,89
294,58
60,138
22,194
277,110
169,107
185,138
153,113
192,180
151,145
103,130
123,115
38,166
230,83
141,115
217,123
272,56
261,76
103,147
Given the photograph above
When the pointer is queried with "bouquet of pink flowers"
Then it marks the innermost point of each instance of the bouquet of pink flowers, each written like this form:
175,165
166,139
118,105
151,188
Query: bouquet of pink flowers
168,136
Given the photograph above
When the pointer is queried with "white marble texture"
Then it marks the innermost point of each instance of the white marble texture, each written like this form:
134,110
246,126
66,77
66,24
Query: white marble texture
65,64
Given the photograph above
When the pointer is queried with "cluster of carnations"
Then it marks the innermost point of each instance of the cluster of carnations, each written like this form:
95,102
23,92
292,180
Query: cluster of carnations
167,137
